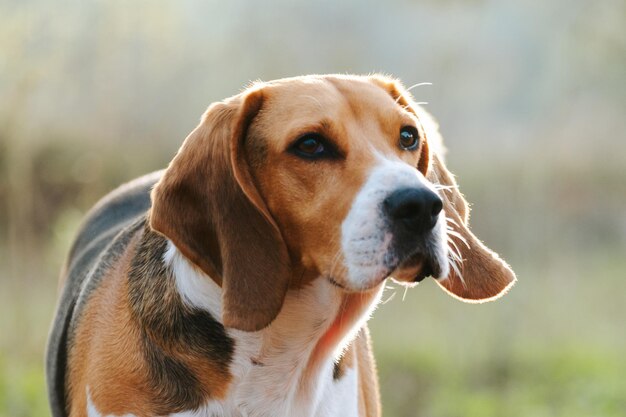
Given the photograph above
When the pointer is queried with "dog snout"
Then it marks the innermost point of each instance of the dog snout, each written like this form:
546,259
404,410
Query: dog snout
416,209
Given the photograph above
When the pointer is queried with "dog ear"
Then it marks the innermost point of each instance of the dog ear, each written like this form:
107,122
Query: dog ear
206,203
477,274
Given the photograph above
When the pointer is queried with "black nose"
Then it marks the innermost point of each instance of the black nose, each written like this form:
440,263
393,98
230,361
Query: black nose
414,208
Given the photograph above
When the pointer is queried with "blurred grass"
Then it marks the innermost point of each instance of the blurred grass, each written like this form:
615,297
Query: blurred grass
547,383
543,350
26,309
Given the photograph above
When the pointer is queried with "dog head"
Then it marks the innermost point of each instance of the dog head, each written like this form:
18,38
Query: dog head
319,177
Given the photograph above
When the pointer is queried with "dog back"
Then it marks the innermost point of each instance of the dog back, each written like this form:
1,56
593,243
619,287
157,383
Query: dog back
103,235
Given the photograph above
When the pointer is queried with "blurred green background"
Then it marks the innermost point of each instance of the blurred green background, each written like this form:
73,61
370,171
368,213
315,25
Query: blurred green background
531,98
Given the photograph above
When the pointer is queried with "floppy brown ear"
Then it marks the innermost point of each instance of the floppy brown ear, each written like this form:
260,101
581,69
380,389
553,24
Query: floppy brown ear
477,274
207,205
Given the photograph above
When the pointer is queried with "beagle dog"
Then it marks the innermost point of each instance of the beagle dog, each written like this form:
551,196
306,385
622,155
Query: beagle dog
238,281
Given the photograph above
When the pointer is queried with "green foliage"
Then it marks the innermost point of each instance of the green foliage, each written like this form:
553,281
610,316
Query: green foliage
22,389
547,383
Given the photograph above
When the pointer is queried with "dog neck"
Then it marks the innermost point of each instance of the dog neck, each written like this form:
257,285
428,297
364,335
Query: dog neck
297,353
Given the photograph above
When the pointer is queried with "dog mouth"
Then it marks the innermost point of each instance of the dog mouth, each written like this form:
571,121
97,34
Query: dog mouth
410,270
415,268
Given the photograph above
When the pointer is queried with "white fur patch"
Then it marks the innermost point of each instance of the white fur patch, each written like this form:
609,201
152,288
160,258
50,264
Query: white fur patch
342,398
195,288
365,236
274,386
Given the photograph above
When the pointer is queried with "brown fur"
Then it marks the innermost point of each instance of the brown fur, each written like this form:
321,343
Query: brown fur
258,220
139,349
201,203
369,392
106,353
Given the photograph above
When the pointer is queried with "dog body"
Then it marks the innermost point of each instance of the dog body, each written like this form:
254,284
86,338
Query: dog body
238,281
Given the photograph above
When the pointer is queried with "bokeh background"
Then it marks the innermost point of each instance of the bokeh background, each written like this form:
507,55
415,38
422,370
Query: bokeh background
531,98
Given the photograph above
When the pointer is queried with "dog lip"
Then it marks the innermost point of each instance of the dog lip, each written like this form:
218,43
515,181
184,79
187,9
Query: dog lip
428,267
348,289
426,271
426,262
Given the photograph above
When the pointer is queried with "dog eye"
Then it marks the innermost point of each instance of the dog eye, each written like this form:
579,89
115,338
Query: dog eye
311,146
409,138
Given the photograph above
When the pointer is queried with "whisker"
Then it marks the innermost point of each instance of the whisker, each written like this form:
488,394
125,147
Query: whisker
335,264
457,272
449,220
452,230
453,233
455,260
454,257
393,294
457,252
405,291
412,87
418,85
445,187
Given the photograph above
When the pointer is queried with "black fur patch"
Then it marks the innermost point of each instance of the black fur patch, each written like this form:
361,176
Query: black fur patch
169,329
338,369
